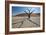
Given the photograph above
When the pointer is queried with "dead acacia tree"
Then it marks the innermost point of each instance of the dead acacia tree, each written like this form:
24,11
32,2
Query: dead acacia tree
29,13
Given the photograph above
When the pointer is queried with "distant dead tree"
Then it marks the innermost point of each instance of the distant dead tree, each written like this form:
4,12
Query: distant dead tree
29,12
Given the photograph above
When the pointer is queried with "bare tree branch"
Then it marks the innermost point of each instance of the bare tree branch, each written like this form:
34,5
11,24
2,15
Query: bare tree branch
26,12
29,10
32,12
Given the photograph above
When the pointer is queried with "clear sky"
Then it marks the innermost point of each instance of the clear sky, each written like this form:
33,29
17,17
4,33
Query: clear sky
18,10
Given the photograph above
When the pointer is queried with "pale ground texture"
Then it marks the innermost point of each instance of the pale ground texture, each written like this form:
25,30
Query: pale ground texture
24,22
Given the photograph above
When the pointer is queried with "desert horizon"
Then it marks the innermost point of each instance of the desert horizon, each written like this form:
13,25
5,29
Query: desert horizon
24,14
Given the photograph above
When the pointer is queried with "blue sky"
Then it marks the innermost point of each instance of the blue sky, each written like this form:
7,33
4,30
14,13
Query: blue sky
18,10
